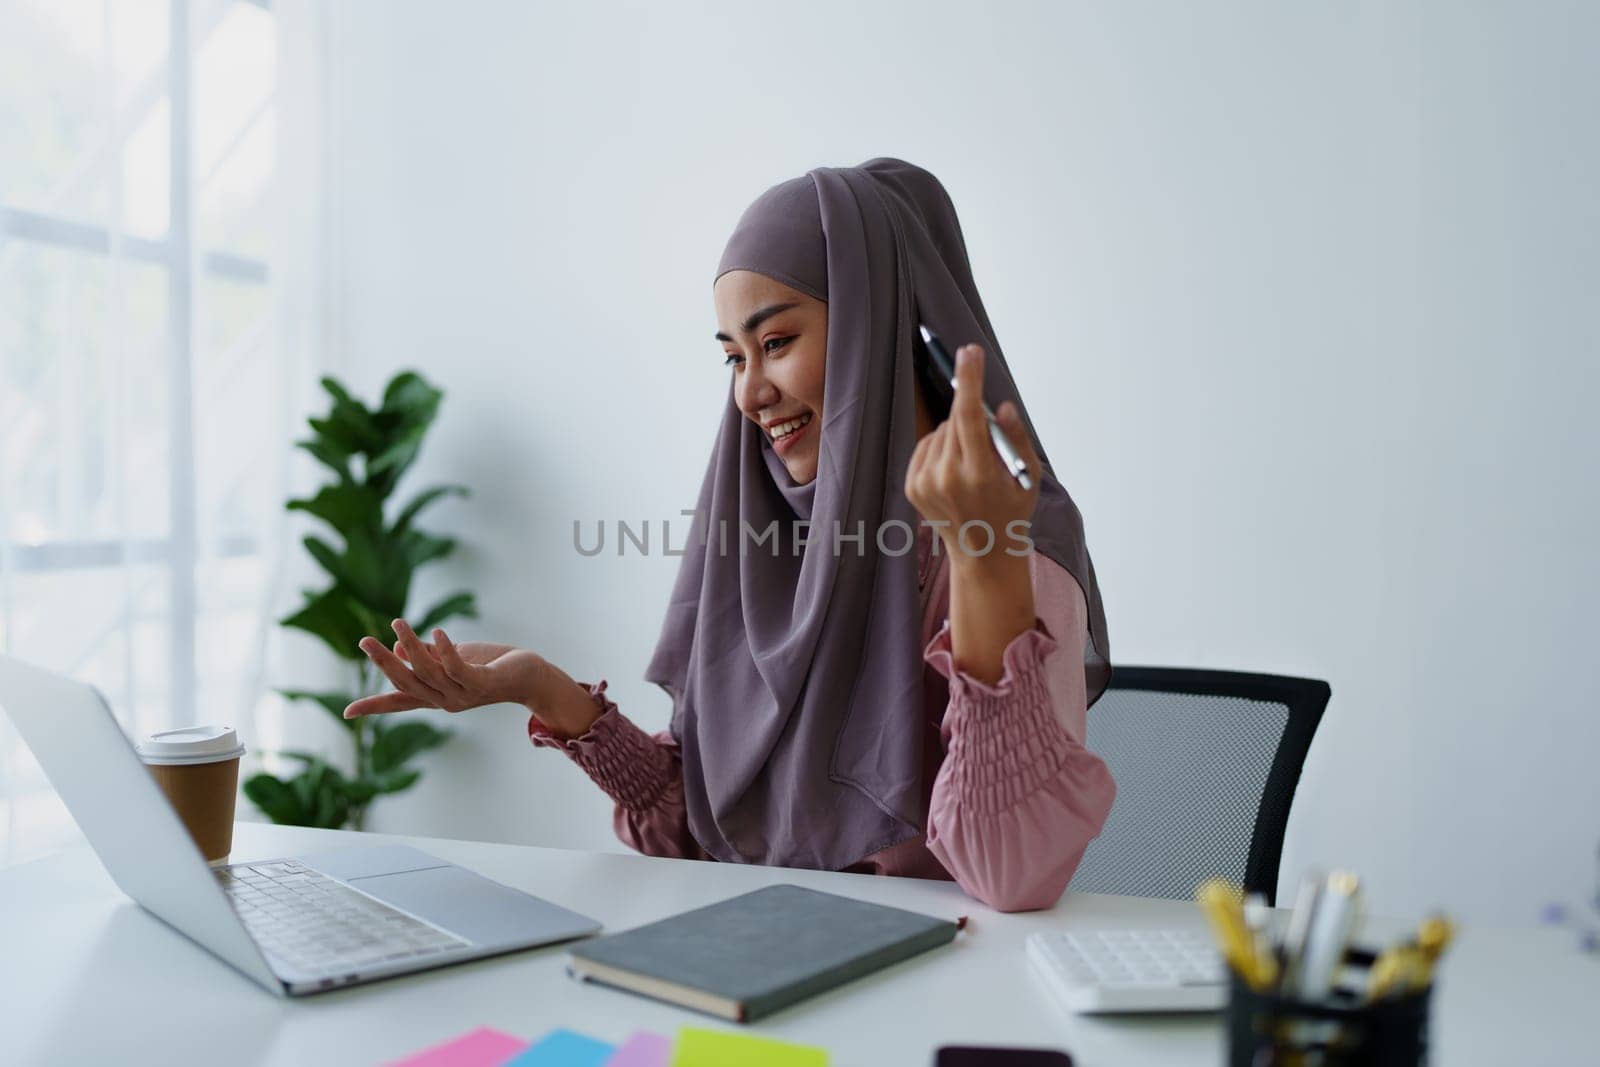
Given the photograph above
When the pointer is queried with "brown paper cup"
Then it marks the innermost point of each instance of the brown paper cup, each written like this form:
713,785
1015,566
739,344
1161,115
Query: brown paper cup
197,767
203,794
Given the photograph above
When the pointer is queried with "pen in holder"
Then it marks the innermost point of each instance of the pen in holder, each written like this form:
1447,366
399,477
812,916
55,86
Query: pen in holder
1269,1029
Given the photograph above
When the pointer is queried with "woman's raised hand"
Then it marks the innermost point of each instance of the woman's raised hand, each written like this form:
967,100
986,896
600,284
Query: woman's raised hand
956,477
470,675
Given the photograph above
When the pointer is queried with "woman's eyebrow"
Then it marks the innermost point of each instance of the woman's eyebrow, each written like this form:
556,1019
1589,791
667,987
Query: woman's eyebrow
757,318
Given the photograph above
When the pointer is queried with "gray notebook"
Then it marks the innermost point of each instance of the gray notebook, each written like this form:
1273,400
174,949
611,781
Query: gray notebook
752,954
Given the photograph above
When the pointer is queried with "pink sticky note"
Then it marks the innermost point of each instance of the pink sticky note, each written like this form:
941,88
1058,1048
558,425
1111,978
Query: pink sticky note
482,1047
642,1050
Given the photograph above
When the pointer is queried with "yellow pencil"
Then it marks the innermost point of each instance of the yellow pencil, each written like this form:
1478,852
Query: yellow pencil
1392,972
1222,904
1433,937
1408,966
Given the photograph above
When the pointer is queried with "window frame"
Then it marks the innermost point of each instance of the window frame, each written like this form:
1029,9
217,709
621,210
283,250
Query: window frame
184,264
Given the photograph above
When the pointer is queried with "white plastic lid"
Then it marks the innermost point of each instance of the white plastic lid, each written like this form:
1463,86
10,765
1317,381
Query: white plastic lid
191,744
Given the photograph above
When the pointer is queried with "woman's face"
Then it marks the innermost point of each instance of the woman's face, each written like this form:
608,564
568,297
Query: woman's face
776,340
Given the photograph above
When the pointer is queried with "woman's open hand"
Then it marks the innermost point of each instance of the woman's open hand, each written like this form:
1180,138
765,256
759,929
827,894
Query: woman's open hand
956,477
470,675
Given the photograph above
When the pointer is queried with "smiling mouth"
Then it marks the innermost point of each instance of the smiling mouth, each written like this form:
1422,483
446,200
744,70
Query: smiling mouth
785,434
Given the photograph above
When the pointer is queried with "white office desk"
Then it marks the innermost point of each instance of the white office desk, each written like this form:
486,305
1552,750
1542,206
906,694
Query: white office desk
88,977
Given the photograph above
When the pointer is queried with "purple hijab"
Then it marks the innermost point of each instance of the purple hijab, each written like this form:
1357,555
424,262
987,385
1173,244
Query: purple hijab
796,677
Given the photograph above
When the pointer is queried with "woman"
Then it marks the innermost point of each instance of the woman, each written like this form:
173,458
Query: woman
840,701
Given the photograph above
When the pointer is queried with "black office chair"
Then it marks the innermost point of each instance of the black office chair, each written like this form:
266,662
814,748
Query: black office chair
1206,764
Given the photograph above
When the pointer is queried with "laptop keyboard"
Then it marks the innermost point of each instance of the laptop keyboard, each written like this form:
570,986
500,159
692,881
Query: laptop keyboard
319,926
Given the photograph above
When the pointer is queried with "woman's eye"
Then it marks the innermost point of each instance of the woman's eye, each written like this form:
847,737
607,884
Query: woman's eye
772,344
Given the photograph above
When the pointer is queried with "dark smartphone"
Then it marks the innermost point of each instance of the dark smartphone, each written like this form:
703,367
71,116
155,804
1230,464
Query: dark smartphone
973,1056
936,389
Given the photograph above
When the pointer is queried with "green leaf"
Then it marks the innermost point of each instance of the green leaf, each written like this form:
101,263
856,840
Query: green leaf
395,745
339,620
422,500
349,428
340,394
338,436
378,573
462,605
376,623
363,572
409,407
418,548
333,803
396,781
320,792
277,800
347,507
305,786
328,556
409,396
320,795
334,703
394,574
329,456
398,454
356,423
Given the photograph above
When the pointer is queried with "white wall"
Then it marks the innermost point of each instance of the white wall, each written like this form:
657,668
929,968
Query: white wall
1295,294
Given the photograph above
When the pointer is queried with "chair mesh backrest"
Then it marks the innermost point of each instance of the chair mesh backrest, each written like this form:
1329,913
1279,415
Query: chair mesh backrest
1191,771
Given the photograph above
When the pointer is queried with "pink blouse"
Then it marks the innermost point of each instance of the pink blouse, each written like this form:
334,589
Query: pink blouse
1013,796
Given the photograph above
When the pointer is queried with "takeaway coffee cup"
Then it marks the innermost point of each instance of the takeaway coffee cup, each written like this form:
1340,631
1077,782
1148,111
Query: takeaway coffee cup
198,768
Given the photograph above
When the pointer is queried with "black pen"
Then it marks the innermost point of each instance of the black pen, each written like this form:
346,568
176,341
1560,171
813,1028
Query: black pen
1002,443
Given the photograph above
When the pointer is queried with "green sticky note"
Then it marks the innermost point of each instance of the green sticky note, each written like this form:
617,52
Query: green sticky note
714,1048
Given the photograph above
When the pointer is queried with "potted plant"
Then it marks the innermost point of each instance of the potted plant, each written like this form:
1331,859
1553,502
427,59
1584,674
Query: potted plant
367,451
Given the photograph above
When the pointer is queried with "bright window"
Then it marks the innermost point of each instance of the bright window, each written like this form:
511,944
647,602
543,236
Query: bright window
140,409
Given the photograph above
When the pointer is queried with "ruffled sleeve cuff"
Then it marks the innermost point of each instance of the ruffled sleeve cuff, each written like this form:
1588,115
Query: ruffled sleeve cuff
622,759
1005,740
1024,656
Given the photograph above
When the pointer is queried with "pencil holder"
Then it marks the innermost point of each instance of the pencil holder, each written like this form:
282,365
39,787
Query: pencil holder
1268,1029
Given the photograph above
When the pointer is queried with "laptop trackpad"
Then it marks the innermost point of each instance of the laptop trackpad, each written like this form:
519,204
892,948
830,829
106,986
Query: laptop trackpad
473,907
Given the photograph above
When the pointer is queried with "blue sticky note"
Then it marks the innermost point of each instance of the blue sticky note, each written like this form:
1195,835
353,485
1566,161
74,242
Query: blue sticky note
564,1048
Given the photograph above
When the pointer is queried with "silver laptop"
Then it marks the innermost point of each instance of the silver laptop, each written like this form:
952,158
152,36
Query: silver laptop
298,925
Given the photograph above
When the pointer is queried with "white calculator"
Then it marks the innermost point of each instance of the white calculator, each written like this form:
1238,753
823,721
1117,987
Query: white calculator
1130,970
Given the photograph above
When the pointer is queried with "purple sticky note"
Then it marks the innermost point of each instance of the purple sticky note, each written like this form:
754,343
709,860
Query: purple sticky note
482,1047
642,1050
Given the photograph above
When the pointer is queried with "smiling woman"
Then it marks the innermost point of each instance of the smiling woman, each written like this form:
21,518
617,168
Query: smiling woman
879,711
779,361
